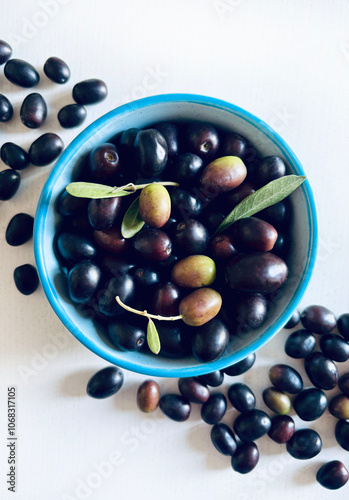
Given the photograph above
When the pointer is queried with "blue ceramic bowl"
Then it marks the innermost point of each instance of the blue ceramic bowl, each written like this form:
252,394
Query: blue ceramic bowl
140,114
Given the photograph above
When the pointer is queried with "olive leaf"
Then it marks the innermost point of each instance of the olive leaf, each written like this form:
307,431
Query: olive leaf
268,195
153,339
94,191
132,222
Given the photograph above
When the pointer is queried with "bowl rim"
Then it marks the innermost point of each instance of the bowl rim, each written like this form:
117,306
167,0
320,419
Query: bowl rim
67,155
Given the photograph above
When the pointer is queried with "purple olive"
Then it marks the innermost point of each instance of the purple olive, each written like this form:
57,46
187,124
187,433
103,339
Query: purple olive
175,407
21,73
332,475
223,439
90,91
245,458
105,383
282,428
318,319
33,110
57,70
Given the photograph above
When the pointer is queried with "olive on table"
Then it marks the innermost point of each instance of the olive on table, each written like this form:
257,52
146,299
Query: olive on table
190,237
104,161
223,439
19,229
111,240
5,52
153,245
9,183
151,152
21,73
26,279
304,444
241,397
282,428
252,233
169,131
242,366
202,139
75,247
148,396
318,319
14,156
175,407
342,434
187,169
321,371
45,149
222,174
211,339
294,320
127,335
102,213
271,168
90,91
343,384
285,378
194,271
334,347
333,475
339,406
310,404
277,401
105,383
57,70
245,458
213,410
6,109
155,205
33,111
213,379
72,115
299,344
343,325
193,390
83,281
251,425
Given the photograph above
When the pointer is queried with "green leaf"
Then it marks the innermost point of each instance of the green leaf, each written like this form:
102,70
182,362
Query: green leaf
132,222
153,337
268,195
94,191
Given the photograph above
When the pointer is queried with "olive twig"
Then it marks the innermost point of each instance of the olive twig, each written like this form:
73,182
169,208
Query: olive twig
145,313
134,187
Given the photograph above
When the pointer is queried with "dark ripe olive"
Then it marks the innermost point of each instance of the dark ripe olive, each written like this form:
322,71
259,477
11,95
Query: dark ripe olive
282,245
173,341
339,406
342,434
213,410
253,233
318,319
33,110
271,168
185,204
222,247
277,401
193,390
241,397
260,272
165,267
194,271
277,215
282,428
122,286
166,299
104,161
26,279
6,109
343,325
148,396
5,52
105,383
222,174
146,278
213,379
332,475
190,237
233,144
126,334
111,240
299,344
241,367
170,132
202,139
115,265
68,205
151,152
19,229
90,91
223,439
343,384
212,219
83,281
155,205
102,213
245,458
57,70
251,425
21,73
210,341
45,149
294,320
304,444
14,156
310,404
127,140
334,347
321,371
74,247
250,311
152,244
235,196
175,407
9,183
285,378
187,169
72,115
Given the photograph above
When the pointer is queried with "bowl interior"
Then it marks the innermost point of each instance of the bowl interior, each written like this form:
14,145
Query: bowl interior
140,114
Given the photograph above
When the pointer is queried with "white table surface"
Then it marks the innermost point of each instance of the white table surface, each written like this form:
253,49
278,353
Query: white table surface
286,62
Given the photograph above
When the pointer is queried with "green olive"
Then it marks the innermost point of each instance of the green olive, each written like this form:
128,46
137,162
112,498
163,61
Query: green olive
277,401
194,271
155,205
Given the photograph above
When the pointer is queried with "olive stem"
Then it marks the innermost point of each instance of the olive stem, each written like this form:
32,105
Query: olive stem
145,313
134,187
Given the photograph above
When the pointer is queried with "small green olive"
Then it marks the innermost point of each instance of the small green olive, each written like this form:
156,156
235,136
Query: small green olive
277,401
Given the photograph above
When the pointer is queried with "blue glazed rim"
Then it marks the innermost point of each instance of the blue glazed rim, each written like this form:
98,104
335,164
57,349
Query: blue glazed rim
46,195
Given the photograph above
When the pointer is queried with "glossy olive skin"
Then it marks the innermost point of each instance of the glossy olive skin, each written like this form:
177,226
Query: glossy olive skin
213,410
321,371
153,245
222,174
72,115
194,271
332,475
241,397
169,131
250,311
343,325
251,425
148,396
310,404
45,149
187,169
74,247
223,439
126,334
242,366
21,73
282,428
339,406
146,278
277,401
166,299
126,142
83,281
277,215
233,144
104,161
90,91
9,183
33,111
234,197
111,240
212,219
151,152
222,247
343,384
26,279
115,266
174,343
14,156
6,109
202,139
318,319
254,234
245,458
299,344
102,213
190,237
105,383
19,229
121,285
185,204
5,52
334,347
285,378
57,70
175,407
155,205
256,272
198,308
304,444
342,434
193,390
213,379
271,168
210,341
68,205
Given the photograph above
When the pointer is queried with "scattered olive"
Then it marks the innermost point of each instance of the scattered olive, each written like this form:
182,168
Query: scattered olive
277,401
175,407
339,406
334,347
45,149
5,52
304,444
19,229
245,458
285,378
223,439
332,475
213,410
6,109
252,425
282,428
294,320
9,183
213,379
33,111
343,384
56,70
318,319
321,371
21,73
343,325
299,344
14,156
310,404
193,390
342,434
105,383
242,366
90,91
241,397
26,279
72,115
148,396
